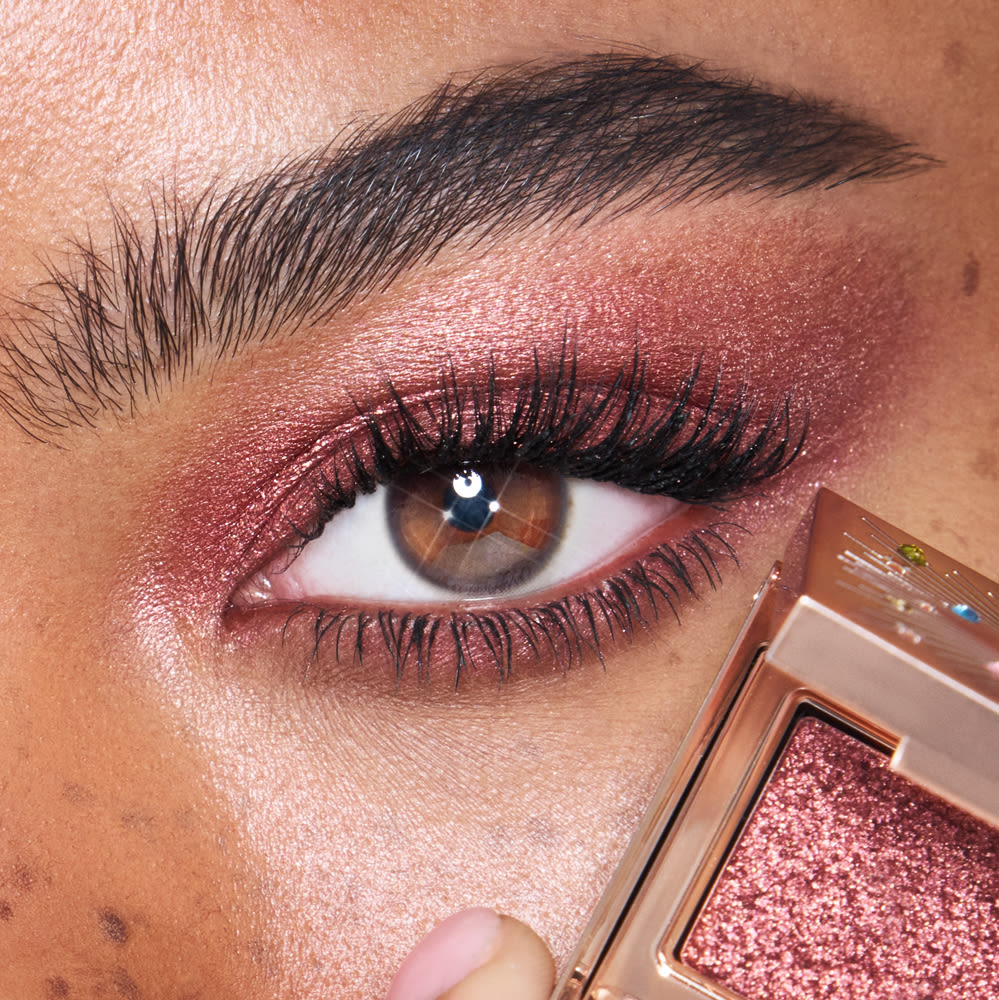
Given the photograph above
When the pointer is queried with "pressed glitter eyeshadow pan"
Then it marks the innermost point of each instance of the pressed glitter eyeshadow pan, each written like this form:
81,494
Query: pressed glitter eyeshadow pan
830,828
850,881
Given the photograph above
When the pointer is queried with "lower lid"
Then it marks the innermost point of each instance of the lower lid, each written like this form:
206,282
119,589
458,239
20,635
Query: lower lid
783,857
494,643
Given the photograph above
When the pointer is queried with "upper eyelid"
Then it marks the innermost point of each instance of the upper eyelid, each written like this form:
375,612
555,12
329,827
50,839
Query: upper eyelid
301,240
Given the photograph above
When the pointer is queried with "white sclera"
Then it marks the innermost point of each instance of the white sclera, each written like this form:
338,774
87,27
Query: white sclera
355,560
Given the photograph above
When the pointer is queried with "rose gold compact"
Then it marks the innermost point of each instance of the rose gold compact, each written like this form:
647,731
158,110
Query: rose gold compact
830,828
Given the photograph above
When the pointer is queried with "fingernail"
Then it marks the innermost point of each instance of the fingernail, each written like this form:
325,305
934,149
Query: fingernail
452,951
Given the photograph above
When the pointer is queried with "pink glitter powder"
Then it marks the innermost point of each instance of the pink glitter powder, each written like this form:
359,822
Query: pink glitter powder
850,882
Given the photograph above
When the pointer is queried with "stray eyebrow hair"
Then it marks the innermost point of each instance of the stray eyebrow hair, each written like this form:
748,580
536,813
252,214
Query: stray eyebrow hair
476,161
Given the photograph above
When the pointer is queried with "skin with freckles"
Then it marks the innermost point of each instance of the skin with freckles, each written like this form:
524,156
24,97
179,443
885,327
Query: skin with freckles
185,810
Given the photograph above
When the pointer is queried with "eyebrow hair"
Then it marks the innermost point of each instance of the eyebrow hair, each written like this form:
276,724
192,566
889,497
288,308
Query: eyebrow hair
474,161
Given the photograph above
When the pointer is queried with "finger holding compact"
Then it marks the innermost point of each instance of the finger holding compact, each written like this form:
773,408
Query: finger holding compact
476,954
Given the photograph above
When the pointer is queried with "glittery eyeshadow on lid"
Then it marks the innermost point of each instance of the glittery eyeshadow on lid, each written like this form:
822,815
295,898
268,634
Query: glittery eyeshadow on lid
852,882
830,826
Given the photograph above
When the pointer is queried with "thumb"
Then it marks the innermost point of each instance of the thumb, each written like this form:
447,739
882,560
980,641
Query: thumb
476,955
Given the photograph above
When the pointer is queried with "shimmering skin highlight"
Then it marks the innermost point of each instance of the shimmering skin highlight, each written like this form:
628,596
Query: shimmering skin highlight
852,882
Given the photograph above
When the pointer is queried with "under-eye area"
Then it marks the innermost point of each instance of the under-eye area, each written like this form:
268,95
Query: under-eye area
479,527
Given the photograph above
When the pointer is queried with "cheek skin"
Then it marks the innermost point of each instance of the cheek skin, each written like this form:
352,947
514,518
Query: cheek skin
114,858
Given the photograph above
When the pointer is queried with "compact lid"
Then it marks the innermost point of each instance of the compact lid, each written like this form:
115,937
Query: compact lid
904,636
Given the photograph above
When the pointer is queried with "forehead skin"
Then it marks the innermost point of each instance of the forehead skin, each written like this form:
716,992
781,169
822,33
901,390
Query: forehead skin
179,820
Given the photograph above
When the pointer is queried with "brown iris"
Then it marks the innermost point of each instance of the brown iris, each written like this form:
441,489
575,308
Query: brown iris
477,530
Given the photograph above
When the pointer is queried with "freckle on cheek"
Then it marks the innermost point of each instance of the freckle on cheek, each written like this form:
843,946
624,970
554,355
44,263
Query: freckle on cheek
75,793
113,927
56,987
986,464
22,877
125,986
955,57
971,275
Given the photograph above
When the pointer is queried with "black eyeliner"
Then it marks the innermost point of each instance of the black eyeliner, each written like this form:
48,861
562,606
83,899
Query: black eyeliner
699,445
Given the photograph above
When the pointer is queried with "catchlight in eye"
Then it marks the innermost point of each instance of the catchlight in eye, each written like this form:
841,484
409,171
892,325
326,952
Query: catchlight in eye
477,530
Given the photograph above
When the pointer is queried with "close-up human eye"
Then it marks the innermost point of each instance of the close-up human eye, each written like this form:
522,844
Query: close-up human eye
521,524
410,414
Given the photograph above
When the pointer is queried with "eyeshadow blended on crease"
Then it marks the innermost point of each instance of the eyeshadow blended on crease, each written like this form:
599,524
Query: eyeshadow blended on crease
850,881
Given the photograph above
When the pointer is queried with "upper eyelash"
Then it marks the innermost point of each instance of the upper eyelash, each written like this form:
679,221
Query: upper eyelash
620,432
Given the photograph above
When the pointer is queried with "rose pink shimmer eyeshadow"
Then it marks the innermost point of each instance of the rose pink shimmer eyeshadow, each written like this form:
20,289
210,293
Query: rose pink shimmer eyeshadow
851,882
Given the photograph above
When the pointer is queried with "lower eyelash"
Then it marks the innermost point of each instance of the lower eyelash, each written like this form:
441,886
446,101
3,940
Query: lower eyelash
571,629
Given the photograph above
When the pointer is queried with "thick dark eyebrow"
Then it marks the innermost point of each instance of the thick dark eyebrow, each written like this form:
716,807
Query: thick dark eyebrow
474,161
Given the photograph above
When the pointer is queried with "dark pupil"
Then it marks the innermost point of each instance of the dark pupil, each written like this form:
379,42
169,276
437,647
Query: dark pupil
469,504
